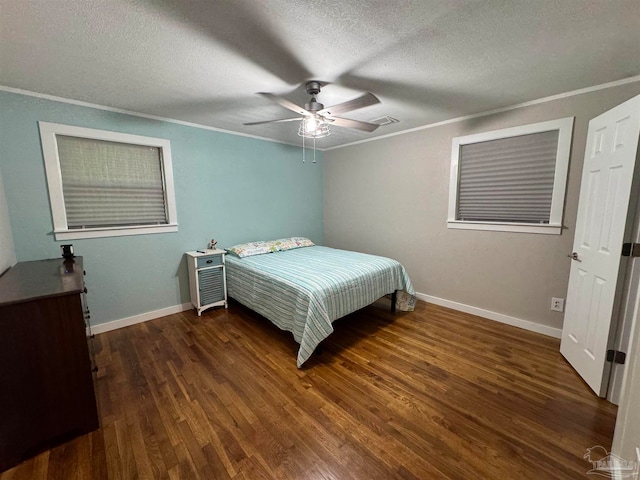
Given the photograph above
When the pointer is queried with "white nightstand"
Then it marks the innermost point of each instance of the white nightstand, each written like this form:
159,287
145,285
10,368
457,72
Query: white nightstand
207,279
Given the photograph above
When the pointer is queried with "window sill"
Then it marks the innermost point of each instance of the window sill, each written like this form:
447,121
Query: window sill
113,231
506,227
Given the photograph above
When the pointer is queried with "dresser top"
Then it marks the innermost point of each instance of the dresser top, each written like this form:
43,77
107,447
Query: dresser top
27,281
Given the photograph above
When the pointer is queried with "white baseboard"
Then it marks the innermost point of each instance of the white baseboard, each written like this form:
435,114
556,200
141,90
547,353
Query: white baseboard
143,317
498,317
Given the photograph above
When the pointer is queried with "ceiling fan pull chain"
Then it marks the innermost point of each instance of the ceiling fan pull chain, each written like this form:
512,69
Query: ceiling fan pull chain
303,149
314,149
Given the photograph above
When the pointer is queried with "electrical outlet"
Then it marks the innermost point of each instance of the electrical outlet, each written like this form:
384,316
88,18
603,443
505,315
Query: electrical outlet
557,304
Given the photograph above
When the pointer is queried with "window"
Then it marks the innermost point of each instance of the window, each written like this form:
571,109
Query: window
104,184
511,180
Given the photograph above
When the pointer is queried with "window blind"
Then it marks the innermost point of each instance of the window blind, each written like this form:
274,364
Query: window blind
111,184
508,180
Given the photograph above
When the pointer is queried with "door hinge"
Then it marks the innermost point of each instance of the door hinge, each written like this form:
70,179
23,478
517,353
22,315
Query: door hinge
616,357
631,249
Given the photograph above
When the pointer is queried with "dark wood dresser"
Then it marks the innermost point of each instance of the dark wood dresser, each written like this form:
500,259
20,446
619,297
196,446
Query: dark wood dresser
46,381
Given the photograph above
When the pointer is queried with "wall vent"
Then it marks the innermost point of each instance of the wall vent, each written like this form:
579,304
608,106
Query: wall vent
386,120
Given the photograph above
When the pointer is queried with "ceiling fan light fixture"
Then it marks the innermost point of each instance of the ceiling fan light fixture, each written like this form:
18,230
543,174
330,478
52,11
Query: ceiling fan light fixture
314,126
310,124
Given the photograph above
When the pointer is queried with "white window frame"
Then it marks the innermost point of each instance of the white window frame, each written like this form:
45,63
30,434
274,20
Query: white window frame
61,230
564,126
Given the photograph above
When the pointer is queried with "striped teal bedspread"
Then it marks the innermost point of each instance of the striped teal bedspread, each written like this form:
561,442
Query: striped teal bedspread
305,289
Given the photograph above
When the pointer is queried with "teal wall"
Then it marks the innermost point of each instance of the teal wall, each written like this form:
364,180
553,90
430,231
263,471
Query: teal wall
229,187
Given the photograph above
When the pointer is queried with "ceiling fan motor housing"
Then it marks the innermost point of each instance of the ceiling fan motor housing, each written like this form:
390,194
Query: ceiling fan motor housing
313,87
313,106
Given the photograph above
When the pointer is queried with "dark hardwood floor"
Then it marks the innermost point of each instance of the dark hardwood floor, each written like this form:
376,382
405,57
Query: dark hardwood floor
432,394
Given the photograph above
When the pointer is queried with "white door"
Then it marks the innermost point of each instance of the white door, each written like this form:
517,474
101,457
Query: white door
609,160
626,438
628,303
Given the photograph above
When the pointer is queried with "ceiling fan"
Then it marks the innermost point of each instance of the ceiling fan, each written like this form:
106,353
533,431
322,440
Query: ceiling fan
316,118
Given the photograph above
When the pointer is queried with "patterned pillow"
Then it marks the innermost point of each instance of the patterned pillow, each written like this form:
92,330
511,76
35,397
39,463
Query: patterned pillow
251,248
283,244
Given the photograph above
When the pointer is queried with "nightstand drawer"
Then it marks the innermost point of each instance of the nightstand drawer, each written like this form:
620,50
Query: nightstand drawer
209,261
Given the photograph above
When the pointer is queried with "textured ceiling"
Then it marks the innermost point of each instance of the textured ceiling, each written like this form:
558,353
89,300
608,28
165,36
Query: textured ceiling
426,60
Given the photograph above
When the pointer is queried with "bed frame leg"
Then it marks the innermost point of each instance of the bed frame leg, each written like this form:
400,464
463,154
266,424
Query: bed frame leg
394,296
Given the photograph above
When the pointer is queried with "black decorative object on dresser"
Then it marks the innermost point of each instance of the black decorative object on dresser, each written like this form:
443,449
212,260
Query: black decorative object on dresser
46,382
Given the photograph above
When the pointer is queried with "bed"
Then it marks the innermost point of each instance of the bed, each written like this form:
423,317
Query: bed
303,290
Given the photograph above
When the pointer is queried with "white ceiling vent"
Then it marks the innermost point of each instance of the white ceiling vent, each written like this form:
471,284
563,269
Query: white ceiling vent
386,120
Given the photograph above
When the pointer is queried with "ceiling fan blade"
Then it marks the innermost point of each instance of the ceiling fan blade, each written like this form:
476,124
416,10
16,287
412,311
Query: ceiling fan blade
449,99
285,103
260,42
360,102
275,121
349,123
